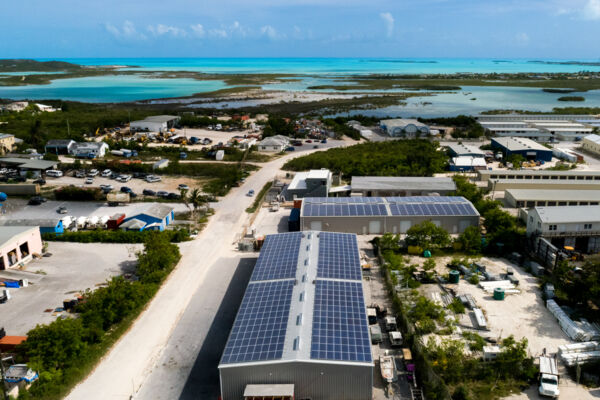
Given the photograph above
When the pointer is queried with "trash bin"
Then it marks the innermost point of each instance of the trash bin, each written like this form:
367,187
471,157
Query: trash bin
498,294
454,276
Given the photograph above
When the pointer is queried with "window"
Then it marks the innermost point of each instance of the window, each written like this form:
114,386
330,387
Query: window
587,226
551,227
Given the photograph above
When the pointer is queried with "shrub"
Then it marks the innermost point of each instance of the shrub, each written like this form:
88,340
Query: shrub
457,306
117,236
74,193
428,236
474,279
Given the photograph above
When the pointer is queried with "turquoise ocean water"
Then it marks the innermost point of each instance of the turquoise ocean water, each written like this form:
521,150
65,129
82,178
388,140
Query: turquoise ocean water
131,88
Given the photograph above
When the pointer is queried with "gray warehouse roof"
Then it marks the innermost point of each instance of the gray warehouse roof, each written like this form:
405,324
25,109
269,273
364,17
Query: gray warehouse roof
568,214
30,164
553,195
402,183
460,149
519,144
7,233
304,302
161,118
50,222
159,211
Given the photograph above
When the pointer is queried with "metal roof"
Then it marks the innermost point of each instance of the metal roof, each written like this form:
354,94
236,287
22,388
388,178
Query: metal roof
59,142
400,122
29,164
550,182
44,223
301,284
8,233
541,172
554,195
402,183
5,135
161,118
299,181
461,149
160,211
568,214
269,391
519,144
593,138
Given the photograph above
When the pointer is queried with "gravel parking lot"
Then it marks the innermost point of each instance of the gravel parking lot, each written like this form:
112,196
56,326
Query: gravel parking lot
72,268
167,183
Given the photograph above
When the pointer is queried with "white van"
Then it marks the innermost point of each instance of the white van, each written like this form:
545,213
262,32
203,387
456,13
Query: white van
54,173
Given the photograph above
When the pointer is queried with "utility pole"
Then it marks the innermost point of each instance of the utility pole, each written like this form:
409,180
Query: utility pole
68,130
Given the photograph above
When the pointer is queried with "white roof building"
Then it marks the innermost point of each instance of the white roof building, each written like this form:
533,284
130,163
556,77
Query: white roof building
591,143
275,143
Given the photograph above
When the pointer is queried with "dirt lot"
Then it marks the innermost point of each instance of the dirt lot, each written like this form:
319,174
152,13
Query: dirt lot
72,268
215,136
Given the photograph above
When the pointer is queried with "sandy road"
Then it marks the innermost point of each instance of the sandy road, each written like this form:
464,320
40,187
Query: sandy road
122,371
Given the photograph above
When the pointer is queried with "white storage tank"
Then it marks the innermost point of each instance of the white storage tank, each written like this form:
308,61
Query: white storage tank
220,155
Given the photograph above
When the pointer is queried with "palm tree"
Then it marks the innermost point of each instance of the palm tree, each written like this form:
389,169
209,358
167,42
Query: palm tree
196,199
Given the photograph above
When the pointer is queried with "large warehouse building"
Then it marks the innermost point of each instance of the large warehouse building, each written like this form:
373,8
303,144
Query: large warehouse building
376,215
591,143
504,184
578,227
400,186
302,322
156,123
542,174
404,128
550,198
527,148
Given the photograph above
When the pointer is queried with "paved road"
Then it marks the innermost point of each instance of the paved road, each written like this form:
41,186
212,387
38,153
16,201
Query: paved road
139,352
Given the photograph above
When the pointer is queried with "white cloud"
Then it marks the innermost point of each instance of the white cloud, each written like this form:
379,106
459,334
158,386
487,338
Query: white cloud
198,30
270,32
219,33
388,21
522,38
165,30
591,10
126,32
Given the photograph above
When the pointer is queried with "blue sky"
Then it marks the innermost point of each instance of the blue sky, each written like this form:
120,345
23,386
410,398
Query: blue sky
565,29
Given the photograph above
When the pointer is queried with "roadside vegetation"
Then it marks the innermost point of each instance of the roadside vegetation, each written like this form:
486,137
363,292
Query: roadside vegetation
65,351
390,158
116,236
465,126
260,196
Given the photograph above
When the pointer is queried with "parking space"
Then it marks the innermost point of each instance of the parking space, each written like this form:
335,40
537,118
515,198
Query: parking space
70,270
18,209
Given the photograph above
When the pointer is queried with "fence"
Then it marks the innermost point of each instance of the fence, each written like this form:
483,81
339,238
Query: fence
434,386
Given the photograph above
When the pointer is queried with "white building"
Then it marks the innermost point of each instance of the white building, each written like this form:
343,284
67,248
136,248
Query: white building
591,143
314,183
45,108
156,123
578,226
275,143
405,128
89,149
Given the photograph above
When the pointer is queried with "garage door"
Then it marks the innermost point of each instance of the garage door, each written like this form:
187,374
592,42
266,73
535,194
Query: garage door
374,227
316,225
404,226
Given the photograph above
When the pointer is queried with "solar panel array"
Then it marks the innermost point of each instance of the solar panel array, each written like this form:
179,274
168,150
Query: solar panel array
340,330
378,206
259,329
278,258
338,256
432,209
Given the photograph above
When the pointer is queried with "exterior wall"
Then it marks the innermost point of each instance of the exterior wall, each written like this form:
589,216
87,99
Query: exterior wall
150,125
276,149
521,174
53,229
501,185
314,188
545,155
311,380
24,189
393,224
6,144
523,202
34,242
591,146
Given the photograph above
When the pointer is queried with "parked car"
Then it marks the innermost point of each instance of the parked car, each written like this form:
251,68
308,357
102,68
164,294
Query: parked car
40,181
107,188
126,189
93,173
162,193
315,146
153,178
132,195
324,141
148,192
124,178
106,173
290,148
53,173
182,186
61,210
114,175
308,141
182,155
36,200
89,181
250,193
173,196
80,174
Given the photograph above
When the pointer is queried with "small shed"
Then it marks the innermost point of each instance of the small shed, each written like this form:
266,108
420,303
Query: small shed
164,163
50,225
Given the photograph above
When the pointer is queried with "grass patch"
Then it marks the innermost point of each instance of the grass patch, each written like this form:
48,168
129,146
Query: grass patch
259,198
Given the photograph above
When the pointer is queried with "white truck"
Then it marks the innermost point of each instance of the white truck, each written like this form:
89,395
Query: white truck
548,377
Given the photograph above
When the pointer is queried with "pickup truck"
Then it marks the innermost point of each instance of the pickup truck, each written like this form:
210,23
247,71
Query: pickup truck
548,378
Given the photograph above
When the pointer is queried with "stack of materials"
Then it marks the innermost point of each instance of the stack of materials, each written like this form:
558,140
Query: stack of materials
579,353
580,332
489,286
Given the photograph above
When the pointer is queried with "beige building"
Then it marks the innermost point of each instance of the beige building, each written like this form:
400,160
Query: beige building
550,198
591,143
540,174
18,244
7,143
505,184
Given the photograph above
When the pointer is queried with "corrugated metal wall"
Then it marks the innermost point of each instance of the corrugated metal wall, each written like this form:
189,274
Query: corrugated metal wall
313,381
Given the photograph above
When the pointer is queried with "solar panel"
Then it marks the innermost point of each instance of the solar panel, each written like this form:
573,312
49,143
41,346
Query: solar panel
278,258
258,332
340,330
338,256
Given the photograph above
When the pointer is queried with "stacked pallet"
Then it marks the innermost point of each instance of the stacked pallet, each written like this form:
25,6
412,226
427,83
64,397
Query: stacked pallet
489,286
579,353
576,331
